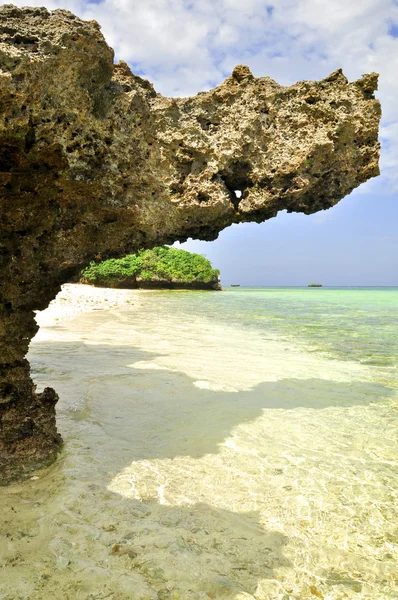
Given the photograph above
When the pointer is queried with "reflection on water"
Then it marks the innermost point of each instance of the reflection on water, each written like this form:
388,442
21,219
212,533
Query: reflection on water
207,457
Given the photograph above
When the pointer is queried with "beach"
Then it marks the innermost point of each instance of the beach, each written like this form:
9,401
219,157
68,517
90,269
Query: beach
76,299
237,445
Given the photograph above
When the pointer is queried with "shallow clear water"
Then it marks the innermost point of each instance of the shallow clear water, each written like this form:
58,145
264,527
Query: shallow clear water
218,445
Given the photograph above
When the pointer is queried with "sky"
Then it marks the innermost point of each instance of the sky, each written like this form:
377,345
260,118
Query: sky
186,46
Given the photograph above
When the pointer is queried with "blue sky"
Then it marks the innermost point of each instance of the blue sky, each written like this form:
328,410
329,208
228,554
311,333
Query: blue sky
185,46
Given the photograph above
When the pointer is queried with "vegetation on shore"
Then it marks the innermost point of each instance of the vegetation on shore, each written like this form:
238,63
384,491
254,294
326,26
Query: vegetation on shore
160,267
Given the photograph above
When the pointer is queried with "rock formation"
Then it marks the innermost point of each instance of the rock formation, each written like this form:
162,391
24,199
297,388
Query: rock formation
95,163
135,283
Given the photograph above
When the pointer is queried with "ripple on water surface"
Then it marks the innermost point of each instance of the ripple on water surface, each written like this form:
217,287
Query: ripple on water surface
235,445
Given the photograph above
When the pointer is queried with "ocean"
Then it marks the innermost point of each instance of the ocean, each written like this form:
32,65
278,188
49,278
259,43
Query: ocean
232,445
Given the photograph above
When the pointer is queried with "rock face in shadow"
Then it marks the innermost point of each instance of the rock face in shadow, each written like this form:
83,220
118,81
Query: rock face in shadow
95,163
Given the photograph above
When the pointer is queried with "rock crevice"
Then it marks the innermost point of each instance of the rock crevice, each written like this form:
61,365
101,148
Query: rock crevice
93,162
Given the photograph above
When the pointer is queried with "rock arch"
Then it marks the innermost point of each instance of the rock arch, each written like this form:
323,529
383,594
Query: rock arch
93,162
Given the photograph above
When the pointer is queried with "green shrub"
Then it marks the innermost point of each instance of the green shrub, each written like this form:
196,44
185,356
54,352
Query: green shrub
161,263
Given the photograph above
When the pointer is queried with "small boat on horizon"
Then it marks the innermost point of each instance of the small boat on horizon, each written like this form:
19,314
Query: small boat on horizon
235,284
315,285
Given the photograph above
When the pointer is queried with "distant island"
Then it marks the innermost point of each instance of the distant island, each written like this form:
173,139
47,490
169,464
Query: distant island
315,285
159,268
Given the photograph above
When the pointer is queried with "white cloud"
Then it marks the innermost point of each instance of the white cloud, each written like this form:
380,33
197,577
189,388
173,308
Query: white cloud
185,46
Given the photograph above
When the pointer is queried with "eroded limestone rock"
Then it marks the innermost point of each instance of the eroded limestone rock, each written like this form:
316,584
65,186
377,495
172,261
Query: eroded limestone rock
93,162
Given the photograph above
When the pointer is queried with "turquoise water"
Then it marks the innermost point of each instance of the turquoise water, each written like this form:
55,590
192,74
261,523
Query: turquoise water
356,323
240,445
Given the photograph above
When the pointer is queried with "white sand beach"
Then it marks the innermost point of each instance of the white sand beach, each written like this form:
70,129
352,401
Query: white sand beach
76,299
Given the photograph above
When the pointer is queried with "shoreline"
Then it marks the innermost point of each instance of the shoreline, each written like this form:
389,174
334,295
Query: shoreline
76,299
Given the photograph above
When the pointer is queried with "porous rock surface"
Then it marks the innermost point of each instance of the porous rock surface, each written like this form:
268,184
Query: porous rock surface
95,163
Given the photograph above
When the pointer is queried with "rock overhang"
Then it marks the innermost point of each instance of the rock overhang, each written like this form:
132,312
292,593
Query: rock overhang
93,162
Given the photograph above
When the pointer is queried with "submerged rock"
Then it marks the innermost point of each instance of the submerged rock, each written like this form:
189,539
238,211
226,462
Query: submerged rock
95,163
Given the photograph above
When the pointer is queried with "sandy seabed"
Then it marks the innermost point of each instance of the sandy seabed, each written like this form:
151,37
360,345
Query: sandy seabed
200,462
